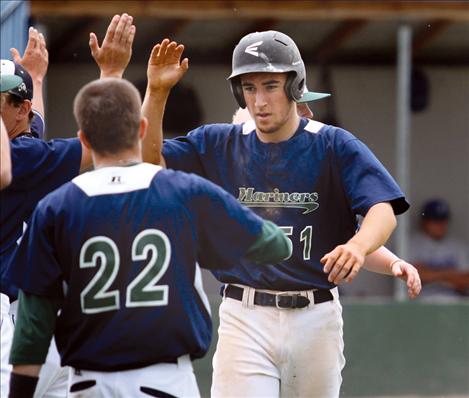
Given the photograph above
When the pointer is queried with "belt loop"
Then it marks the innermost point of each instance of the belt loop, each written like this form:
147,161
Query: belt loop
248,297
184,362
224,291
311,297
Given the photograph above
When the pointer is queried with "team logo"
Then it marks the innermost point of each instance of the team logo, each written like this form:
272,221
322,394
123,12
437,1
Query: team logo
252,48
303,200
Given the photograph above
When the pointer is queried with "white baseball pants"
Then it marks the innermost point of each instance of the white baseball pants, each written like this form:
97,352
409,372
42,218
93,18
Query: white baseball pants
164,380
52,378
271,352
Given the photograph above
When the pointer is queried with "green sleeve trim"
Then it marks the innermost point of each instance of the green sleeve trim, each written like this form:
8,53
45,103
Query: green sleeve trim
271,247
34,328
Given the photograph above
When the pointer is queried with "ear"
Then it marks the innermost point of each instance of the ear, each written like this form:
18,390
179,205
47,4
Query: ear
83,139
23,110
142,132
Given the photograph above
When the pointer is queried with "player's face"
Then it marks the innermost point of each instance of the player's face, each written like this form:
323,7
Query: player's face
9,113
274,114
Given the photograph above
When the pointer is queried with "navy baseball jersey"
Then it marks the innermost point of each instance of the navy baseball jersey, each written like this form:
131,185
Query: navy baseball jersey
126,241
39,167
313,185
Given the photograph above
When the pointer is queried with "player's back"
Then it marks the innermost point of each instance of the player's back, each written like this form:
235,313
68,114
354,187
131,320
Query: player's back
126,242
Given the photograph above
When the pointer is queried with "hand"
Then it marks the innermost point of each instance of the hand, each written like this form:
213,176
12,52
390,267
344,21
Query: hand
343,262
409,274
35,58
114,54
165,68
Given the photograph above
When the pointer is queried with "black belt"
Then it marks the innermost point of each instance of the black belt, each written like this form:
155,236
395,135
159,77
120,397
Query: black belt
279,300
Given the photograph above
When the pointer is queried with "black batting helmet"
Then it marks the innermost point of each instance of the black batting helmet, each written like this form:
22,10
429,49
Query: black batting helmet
268,51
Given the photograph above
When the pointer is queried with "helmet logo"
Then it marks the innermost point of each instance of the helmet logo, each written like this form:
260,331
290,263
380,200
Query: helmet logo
252,48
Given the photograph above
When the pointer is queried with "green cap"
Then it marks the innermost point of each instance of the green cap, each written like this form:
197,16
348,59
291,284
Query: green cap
8,82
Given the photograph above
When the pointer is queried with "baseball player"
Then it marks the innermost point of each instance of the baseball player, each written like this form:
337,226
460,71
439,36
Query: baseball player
40,167
281,327
381,258
126,240
6,83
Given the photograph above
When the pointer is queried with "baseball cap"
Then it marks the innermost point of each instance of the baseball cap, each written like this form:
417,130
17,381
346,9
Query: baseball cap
309,96
7,82
435,209
25,89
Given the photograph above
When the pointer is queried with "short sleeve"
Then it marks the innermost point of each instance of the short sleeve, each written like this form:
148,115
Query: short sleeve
183,153
226,229
36,269
38,125
366,180
44,165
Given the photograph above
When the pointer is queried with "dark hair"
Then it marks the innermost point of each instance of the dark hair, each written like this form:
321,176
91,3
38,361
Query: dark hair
16,101
108,112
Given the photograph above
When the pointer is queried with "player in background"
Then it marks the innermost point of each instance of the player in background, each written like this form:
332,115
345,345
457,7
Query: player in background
6,83
126,240
281,327
380,259
38,167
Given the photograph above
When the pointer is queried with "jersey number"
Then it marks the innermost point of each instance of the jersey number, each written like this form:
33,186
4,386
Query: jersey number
306,236
142,291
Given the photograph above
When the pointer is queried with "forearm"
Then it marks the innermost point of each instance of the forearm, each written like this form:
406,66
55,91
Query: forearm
5,159
375,229
34,329
38,98
380,261
153,109
271,247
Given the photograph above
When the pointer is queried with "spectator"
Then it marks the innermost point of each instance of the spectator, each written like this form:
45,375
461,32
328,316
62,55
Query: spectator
441,260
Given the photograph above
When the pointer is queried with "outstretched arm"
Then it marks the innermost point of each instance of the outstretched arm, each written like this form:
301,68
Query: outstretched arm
112,58
345,261
36,61
384,261
164,70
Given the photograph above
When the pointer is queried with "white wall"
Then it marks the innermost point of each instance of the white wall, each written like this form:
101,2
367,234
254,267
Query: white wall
365,105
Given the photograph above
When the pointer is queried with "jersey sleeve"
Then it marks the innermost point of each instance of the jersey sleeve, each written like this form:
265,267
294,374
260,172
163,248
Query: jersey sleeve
183,153
366,180
36,269
226,229
42,165
38,125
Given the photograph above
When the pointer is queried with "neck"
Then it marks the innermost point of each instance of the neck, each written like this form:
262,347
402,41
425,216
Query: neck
123,158
284,132
18,129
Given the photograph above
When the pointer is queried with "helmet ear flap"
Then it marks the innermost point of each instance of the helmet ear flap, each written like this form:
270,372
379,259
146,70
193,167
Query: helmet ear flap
294,86
237,91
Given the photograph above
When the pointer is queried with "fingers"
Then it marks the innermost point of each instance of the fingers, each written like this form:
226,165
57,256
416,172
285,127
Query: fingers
111,30
131,35
33,39
42,42
122,28
185,64
15,55
94,46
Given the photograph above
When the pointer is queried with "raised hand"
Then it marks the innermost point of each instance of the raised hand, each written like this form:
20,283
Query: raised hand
165,68
116,50
35,58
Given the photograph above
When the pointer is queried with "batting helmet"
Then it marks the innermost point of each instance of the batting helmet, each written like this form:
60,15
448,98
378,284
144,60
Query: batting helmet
268,51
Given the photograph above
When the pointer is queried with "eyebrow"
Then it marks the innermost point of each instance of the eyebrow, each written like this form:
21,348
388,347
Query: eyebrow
269,82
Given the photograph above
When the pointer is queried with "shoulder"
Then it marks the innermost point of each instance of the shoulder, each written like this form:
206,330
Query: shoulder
218,131
37,146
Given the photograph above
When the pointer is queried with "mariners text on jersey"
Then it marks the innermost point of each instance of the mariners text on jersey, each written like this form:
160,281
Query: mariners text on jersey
313,185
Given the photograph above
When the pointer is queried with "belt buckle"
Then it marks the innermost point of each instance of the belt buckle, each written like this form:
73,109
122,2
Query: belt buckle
277,300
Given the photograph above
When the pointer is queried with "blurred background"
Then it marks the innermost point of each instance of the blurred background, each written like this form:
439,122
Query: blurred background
398,72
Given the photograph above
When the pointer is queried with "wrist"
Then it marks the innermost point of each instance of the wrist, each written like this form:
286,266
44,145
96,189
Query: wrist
394,262
115,74
22,386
